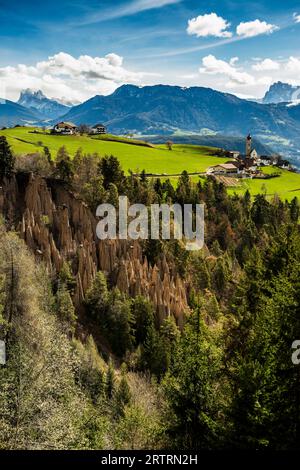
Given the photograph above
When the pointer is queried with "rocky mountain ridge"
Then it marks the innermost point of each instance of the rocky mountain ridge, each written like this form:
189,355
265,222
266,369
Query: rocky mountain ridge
38,102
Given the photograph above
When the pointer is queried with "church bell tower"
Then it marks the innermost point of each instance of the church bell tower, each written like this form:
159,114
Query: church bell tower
248,145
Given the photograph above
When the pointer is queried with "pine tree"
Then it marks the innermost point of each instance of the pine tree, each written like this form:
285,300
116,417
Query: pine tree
191,387
7,160
143,315
48,155
66,309
122,396
112,195
66,277
294,209
183,190
64,165
111,171
221,275
96,299
117,323
154,353
77,160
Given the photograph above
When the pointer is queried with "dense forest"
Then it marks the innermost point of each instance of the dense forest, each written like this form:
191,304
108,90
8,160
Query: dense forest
113,375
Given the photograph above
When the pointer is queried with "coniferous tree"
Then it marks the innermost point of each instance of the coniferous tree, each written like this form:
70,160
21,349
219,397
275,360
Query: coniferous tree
111,171
66,309
122,395
64,165
96,299
143,315
7,160
191,384
66,277
48,154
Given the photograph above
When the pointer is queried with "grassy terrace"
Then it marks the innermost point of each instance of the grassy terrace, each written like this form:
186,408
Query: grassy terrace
154,159
287,185
157,159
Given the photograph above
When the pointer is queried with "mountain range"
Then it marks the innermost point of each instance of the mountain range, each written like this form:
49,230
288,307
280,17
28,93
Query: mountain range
166,110
281,93
12,114
37,101
171,110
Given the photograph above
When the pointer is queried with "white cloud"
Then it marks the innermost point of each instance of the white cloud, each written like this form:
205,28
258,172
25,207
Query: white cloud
296,17
214,66
266,65
209,25
293,65
66,77
254,28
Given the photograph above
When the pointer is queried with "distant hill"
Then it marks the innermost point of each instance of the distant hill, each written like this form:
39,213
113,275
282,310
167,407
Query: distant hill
38,102
164,110
12,114
281,93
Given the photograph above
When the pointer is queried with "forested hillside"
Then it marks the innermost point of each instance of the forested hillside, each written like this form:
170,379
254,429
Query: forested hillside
97,359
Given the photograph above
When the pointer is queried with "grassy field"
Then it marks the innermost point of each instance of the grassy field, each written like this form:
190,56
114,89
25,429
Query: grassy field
154,159
287,185
136,155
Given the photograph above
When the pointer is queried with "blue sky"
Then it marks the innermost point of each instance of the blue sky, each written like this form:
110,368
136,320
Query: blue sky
234,46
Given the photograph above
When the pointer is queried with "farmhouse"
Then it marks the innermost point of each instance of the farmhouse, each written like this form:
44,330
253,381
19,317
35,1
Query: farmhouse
98,129
65,128
223,169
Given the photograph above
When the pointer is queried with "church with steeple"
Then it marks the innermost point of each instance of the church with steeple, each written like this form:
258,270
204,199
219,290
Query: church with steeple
251,158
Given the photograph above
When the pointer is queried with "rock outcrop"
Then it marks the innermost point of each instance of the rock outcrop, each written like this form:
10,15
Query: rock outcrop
58,227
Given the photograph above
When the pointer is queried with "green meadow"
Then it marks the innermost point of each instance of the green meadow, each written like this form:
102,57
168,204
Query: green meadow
153,159
137,156
287,185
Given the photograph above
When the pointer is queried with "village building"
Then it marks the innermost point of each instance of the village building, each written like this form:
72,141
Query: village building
248,165
223,169
254,155
266,160
234,154
65,128
284,164
98,129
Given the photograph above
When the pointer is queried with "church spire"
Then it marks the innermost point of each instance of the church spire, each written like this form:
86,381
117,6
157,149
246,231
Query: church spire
248,145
